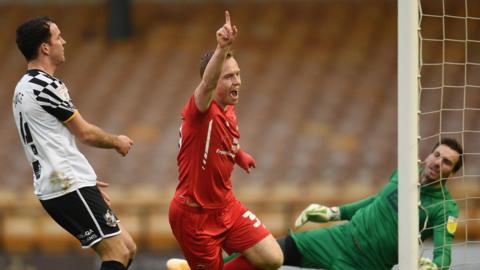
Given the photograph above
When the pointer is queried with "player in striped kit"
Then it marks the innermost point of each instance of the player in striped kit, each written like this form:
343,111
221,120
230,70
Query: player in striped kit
48,124
204,214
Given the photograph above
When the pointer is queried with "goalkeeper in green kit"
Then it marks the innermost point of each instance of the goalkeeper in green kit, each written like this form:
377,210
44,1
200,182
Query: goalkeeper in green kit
369,240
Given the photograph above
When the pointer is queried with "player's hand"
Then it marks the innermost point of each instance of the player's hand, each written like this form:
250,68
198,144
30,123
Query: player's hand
227,33
317,213
123,144
105,196
245,161
427,264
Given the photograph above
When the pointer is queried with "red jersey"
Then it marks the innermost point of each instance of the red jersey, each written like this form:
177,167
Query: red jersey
207,148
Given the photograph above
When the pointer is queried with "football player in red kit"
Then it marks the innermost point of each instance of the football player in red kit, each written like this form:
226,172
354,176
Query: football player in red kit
204,215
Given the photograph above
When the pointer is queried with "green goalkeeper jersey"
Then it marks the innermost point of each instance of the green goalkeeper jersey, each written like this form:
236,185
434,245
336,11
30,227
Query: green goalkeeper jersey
374,223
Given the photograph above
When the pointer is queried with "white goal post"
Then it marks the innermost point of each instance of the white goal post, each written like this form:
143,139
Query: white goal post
408,248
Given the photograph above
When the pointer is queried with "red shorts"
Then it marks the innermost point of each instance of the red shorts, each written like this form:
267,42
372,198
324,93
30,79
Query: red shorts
202,233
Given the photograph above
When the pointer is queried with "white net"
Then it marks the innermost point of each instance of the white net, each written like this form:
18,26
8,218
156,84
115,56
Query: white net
449,92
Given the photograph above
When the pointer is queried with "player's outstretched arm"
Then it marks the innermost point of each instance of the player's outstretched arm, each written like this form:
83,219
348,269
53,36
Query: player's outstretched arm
348,210
204,91
94,136
317,213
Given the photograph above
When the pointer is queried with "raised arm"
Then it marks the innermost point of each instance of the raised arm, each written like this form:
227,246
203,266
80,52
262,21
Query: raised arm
94,136
205,90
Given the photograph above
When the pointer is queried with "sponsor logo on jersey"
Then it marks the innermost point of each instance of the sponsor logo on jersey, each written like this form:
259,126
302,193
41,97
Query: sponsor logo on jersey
110,218
63,92
226,153
18,98
452,224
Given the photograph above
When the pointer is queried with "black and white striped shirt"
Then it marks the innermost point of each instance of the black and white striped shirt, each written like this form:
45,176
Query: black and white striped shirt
41,107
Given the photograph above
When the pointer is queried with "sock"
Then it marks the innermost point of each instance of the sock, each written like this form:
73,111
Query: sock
112,265
239,263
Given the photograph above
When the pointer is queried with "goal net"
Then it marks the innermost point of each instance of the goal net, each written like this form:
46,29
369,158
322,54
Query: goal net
449,101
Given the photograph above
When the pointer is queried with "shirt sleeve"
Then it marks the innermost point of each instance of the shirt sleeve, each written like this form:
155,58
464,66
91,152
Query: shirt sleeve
191,113
348,210
445,225
51,102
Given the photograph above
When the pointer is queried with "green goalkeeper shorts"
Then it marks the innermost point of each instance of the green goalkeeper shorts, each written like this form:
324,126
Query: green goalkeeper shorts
331,248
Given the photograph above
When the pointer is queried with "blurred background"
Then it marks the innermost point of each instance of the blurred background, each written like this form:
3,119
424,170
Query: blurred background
318,111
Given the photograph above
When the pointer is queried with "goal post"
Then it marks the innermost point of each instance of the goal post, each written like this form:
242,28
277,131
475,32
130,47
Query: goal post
407,89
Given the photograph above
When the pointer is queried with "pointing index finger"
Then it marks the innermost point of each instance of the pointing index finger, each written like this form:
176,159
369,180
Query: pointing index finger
227,17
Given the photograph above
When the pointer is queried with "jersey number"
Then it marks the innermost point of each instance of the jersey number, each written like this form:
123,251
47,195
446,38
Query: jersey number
28,140
27,135
252,217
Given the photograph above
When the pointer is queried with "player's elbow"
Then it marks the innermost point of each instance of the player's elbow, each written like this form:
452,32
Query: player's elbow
87,139
86,136
207,87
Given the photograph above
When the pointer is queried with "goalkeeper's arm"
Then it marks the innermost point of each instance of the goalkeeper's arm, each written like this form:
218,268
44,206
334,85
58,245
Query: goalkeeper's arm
317,213
320,213
348,210
443,235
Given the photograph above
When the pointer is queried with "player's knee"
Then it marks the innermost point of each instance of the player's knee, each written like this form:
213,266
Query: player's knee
273,261
277,261
132,248
129,244
276,258
124,254
119,253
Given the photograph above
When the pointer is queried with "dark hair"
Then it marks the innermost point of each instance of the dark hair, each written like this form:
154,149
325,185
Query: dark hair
454,145
31,34
206,58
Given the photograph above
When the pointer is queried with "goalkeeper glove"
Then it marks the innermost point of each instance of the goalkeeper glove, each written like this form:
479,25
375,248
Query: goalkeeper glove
245,161
427,264
317,213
